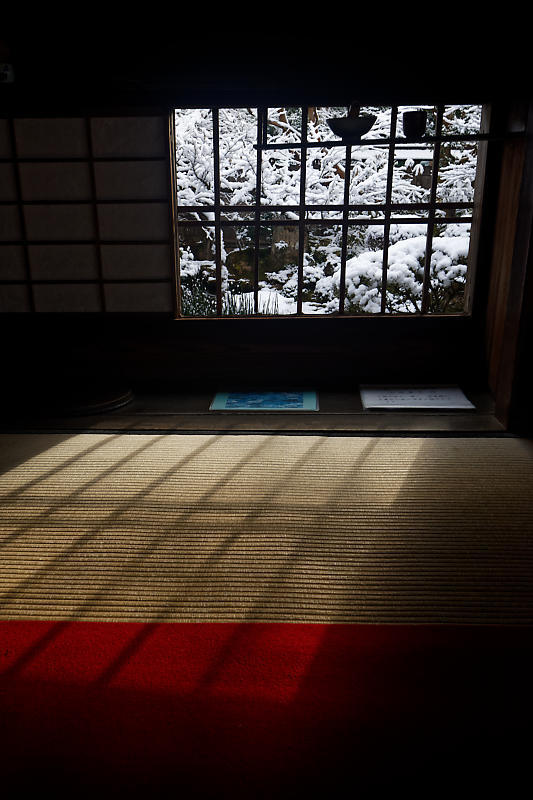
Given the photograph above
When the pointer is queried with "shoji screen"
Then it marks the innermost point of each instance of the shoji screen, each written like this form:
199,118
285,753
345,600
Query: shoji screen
85,215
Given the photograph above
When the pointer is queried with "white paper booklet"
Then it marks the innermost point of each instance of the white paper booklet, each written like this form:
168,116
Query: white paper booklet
450,398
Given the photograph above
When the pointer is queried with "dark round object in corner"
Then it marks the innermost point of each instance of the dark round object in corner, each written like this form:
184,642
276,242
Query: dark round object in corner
49,393
79,396
92,400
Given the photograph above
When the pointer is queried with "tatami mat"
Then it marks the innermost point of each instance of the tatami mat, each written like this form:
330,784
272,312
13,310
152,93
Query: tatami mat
266,528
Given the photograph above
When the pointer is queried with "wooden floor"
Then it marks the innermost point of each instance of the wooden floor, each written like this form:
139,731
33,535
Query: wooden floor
338,412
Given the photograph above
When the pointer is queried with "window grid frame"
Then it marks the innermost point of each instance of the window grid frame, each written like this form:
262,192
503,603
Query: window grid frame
345,220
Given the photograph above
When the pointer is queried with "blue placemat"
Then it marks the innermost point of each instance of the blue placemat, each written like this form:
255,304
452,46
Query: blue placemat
265,401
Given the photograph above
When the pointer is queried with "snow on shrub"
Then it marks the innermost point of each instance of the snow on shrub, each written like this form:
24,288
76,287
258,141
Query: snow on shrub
405,275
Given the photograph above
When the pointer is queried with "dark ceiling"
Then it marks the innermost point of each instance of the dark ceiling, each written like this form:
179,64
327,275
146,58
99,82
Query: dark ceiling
403,59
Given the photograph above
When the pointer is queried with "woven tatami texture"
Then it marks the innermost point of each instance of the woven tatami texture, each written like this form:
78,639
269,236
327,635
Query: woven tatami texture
266,528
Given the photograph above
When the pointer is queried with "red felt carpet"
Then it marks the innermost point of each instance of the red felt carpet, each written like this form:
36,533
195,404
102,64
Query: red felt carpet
262,710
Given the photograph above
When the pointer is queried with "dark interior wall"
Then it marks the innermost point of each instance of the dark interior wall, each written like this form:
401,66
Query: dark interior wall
108,75
520,406
154,350
86,244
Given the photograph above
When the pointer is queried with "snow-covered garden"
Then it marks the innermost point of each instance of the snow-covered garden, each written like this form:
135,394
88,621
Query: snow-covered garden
324,187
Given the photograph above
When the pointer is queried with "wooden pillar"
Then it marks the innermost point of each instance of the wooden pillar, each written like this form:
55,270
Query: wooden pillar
509,305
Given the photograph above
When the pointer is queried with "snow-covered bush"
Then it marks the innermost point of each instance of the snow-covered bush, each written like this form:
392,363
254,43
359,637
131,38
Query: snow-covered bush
405,276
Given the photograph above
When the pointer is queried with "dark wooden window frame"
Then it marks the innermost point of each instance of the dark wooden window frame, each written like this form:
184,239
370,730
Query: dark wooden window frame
345,210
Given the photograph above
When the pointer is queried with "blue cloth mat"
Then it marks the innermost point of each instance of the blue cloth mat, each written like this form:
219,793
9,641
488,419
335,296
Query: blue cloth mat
265,401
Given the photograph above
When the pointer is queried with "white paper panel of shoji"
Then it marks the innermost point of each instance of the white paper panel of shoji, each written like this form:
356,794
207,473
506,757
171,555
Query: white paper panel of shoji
138,297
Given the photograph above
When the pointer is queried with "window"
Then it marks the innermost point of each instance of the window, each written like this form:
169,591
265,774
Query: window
277,216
